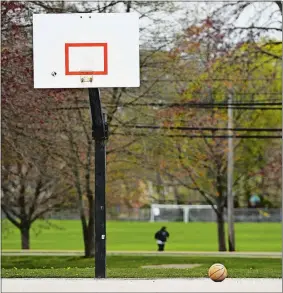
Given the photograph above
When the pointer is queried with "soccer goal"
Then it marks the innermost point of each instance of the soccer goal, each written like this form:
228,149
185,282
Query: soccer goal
181,213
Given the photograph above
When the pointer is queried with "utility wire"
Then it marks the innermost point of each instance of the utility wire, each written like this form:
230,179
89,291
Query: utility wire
197,128
247,106
205,136
208,104
208,80
202,106
236,108
192,106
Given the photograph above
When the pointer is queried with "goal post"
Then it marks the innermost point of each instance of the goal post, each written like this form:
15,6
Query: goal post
181,213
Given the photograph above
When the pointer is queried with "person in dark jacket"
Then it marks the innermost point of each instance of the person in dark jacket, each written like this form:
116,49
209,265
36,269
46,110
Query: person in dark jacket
161,237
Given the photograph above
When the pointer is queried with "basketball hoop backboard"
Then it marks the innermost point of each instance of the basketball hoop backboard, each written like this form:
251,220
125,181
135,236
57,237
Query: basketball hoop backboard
86,50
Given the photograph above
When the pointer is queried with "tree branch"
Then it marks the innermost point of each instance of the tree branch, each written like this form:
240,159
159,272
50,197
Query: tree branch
255,27
279,4
10,217
201,191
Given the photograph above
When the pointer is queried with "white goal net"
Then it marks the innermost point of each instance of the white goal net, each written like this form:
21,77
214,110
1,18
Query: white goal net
205,213
181,213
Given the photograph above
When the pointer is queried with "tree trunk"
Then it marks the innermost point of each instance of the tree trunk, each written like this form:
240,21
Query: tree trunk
221,231
89,244
160,188
90,247
90,239
85,236
177,196
25,237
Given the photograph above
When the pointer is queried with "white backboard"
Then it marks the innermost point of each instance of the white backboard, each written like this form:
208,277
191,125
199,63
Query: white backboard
100,49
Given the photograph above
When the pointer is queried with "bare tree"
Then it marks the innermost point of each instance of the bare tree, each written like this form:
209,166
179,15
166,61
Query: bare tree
30,190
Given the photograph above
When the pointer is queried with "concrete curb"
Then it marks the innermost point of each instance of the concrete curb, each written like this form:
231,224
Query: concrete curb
145,253
140,285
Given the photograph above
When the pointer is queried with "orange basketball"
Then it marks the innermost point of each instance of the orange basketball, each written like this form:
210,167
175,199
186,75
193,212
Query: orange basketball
217,272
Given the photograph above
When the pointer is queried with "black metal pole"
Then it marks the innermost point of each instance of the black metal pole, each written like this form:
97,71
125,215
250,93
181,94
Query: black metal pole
100,218
99,133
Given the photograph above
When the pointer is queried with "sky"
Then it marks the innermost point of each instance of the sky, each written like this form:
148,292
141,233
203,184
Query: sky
259,13
170,24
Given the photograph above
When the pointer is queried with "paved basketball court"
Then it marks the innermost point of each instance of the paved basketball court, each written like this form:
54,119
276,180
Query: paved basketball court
140,285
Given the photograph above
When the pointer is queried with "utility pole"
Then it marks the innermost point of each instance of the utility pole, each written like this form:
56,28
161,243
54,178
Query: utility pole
230,170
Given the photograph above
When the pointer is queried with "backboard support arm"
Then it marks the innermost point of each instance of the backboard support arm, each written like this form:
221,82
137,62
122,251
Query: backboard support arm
100,135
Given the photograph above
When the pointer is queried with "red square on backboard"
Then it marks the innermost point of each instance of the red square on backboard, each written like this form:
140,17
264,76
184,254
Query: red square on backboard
67,59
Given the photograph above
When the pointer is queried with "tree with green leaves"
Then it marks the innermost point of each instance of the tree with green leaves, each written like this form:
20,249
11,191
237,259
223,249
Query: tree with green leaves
200,163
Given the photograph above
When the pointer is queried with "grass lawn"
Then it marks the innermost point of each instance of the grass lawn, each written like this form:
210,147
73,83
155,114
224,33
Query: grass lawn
131,267
131,236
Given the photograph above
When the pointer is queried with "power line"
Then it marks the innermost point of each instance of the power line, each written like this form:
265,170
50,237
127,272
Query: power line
192,104
237,106
209,80
242,94
192,107
220,105
205,136
198,128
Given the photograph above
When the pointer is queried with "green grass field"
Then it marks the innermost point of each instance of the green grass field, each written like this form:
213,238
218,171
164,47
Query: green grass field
131,236
131,267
